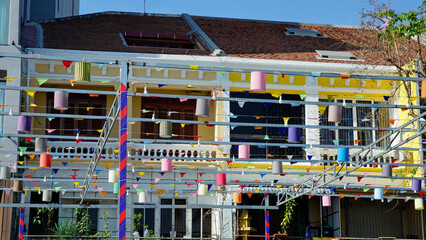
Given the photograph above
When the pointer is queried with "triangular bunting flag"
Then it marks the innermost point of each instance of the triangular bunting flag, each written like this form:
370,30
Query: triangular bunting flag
31,93
66,64
160,191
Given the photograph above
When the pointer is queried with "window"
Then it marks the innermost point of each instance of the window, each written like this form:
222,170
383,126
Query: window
4,21
2,83
303,33
167,220
161,107
336,55
265,113
148,219
78,104
359,116
160,40
201,224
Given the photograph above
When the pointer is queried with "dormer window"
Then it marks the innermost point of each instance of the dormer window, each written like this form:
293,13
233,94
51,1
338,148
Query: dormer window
336,55
303,33
132,39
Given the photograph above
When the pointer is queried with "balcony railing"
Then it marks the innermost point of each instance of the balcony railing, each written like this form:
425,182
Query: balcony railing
68,150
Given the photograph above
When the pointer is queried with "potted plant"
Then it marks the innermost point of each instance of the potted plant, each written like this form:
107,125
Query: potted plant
136,225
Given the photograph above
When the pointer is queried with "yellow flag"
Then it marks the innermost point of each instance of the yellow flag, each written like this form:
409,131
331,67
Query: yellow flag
20,162
33,105
31,92
286,120
322,109
160,191
25,192
276,94
192,144
90,108
278,186
256,190
176,193
182,125
116,151
193,67
37,188
76,183
9,79
191,167
141,173
412,99
99,130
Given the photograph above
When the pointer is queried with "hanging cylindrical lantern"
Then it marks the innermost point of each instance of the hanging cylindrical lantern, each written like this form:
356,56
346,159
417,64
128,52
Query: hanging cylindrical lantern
142,197
60,100
47,195
82,71
166,165
113,176
416,184
45,161
116,188
334,113
24,124
293,135
378,193
343,154
203,108
165,129
41,145
243,151
258,82
18,186
4,173
221,179
387,170
418,204
326,201
202,190
238,197
423,89
277,167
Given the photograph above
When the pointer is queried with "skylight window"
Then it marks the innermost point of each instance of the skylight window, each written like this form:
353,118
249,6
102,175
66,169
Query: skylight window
160,40
303,33
336,55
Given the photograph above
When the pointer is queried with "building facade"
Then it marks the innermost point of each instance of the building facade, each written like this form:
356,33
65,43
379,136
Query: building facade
173,62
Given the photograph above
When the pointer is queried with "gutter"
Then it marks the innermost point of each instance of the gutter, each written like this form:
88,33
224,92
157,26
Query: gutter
233,63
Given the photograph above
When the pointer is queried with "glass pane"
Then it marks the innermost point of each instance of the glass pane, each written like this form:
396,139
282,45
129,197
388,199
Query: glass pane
207,223
196,222
4,21
346,137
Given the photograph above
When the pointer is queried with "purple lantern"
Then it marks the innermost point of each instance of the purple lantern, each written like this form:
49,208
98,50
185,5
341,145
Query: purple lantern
24,123
293,135
416,184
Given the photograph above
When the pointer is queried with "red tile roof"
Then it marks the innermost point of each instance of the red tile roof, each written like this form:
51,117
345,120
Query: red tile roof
267,40
238,38
100,32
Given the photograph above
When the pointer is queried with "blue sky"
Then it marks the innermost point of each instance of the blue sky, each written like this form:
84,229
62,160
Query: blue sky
340,12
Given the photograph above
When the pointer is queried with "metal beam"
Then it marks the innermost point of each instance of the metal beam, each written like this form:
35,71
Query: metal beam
298,189
100,145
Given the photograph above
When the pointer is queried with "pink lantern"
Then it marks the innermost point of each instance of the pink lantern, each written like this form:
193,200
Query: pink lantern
244,151
45,161
258,82
166,165
221,179
326,201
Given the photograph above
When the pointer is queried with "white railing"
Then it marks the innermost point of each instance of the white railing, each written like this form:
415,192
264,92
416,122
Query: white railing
69,150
